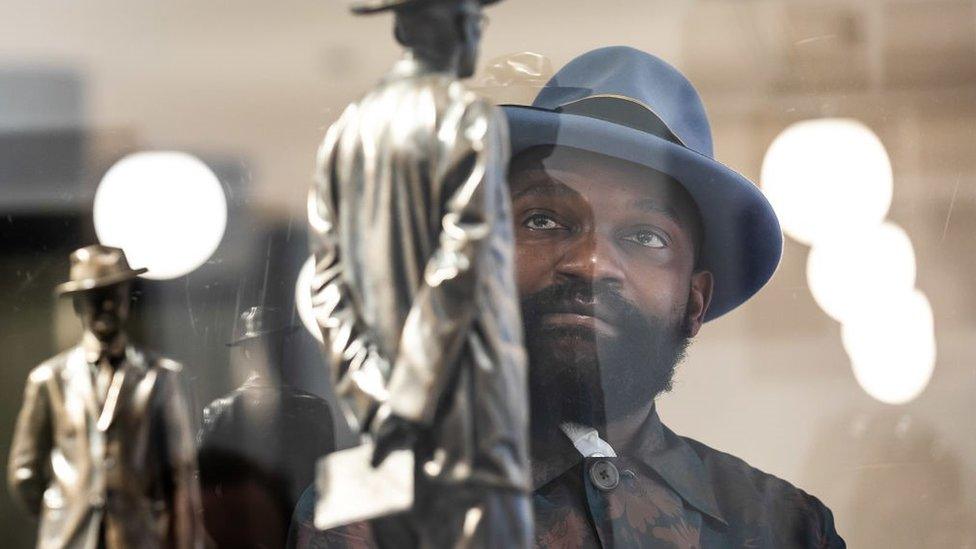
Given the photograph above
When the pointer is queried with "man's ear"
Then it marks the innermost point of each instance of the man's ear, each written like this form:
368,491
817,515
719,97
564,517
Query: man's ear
699,298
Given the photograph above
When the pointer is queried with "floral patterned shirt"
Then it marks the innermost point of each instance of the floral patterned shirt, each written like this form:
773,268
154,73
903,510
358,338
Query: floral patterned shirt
670,491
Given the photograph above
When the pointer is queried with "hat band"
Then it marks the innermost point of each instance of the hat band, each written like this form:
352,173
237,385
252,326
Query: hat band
624,111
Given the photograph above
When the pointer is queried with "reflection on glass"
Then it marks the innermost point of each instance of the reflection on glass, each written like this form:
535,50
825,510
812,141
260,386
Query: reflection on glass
259,444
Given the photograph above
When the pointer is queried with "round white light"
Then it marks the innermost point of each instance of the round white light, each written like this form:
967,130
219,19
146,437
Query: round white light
826,177
861,270
303,298
167,210
892,347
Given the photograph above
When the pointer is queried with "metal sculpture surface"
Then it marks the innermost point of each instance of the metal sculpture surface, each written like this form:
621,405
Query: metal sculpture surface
414,287
103,449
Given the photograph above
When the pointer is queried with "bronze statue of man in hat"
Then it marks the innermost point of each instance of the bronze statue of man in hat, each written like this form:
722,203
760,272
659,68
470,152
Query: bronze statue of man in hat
103,448
414,285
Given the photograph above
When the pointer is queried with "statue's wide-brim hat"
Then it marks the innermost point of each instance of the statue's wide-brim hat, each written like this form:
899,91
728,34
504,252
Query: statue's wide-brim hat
626,104
375,6
94,267
259,322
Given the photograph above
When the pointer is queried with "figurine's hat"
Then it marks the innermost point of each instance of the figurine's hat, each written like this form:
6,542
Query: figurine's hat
258,322
97,267
374,6
629,105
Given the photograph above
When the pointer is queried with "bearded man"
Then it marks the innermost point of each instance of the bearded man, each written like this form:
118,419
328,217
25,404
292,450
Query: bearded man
630,236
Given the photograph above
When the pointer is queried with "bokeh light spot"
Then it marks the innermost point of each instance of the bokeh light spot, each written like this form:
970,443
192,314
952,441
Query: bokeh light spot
892,347
167,210
827,177
861,270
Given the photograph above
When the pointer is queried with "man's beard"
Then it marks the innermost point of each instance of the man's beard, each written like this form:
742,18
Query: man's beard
579,375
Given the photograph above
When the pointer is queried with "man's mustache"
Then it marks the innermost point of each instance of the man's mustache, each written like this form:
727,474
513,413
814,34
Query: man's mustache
597,299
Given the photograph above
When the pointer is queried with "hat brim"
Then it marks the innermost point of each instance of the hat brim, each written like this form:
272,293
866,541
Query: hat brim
241,340
742,237
367,7
86,284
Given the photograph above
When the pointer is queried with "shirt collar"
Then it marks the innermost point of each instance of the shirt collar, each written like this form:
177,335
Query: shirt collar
671,457
661,450
95,349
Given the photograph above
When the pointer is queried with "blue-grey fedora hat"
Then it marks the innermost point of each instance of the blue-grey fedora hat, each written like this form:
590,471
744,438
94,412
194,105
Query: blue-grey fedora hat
627,104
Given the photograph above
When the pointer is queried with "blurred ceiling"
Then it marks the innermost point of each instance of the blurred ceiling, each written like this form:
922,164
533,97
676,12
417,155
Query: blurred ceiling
257,85
262,83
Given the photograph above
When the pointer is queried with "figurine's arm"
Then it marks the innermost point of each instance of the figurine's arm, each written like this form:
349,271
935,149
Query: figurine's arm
445,305
30,451
186,513
358,371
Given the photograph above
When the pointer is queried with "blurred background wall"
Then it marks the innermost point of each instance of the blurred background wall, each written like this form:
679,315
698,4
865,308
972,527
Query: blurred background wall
249,87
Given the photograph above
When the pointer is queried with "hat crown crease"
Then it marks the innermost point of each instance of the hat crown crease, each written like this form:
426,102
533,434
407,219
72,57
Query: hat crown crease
635,115
627,73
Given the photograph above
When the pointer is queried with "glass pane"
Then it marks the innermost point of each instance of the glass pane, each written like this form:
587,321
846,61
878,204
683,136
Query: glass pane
740,238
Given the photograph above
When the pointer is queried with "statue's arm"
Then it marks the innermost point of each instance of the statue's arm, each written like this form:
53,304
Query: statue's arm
358,371
30,451
444,307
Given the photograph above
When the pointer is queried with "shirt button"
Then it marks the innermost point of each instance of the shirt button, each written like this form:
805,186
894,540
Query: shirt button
604,475
110,462
97,502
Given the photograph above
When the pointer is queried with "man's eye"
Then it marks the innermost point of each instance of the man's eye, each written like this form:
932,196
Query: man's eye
541,222
647,239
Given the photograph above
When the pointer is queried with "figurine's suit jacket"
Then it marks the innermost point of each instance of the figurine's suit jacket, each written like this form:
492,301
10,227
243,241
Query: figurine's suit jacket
124,473
414,284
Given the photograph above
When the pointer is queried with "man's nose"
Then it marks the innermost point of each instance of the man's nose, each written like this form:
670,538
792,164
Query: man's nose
593,258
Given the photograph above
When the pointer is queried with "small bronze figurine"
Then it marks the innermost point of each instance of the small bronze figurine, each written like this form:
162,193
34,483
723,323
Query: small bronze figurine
414,285
259,444
103,448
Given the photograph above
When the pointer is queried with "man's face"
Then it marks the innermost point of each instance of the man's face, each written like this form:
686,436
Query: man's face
104,310
606,258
